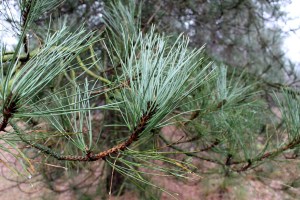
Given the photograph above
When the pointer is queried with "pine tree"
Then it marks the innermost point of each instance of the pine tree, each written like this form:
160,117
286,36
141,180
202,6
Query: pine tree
109,96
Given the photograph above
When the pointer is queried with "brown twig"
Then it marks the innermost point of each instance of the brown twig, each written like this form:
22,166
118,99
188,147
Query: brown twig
266,155
246,167
228,160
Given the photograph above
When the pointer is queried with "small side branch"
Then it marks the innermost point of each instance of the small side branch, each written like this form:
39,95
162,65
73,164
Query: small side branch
265,156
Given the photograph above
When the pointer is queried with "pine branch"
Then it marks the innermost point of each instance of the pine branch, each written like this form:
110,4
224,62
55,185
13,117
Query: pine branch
90,156
9,108
192,154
